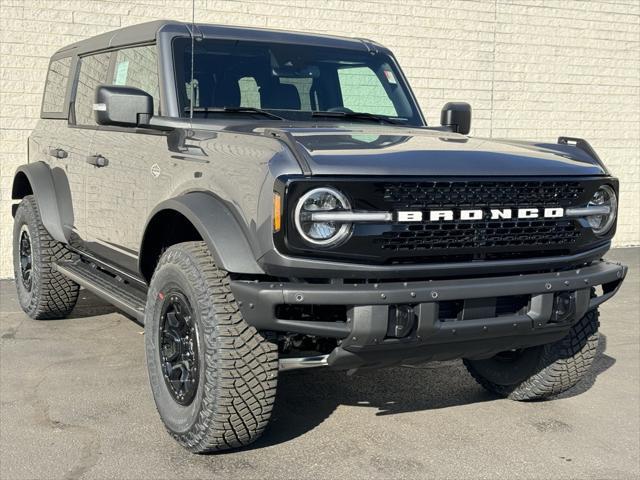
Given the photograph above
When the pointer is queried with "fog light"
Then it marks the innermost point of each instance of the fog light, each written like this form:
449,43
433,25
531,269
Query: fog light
402,319
564,307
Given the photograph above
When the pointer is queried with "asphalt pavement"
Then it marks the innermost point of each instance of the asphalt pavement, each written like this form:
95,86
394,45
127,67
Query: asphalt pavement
75,403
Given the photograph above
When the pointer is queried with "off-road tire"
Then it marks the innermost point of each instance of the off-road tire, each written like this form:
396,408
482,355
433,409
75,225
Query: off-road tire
238,366
543,371
51,295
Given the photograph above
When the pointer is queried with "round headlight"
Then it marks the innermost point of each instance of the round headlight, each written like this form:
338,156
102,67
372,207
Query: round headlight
321,233
604,197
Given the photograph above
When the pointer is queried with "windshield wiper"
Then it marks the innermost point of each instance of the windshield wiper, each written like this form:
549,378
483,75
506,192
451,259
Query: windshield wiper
359,115
259,111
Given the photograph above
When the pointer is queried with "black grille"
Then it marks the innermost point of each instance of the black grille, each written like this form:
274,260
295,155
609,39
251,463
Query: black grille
447,237
461,235
476,194
455,240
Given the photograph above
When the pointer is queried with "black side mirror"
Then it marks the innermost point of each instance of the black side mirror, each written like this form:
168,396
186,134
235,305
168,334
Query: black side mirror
122,106
456,115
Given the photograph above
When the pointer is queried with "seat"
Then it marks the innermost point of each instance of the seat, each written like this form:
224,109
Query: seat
280,96
226,94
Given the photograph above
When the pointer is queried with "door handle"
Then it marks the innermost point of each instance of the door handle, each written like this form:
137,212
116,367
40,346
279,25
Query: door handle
97,160
58,153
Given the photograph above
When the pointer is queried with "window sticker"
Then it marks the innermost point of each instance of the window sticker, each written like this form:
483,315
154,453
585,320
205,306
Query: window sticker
121,73
390,77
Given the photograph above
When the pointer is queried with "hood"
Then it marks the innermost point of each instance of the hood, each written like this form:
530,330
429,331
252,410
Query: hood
401,151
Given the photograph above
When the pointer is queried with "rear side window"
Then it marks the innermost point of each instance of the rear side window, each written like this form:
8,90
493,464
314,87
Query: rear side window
138,67
55,89
94,71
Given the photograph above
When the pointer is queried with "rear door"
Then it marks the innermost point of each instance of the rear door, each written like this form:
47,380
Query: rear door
55,142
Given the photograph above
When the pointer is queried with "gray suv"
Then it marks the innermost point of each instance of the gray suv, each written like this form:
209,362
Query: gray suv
266,200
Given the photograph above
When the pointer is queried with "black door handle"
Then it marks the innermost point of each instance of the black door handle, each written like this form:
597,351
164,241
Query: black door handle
58,153
97,160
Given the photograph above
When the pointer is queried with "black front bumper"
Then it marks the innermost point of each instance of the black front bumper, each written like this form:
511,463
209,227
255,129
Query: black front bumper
363,337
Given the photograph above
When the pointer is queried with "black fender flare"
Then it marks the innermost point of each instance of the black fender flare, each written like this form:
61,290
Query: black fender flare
50,188
218,227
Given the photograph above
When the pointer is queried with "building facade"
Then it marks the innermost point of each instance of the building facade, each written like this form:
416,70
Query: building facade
531,69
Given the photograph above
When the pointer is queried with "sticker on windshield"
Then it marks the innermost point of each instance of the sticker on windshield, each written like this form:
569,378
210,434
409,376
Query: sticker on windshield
390,78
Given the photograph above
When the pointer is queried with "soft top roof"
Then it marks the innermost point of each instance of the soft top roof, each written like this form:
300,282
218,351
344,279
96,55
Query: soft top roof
148,32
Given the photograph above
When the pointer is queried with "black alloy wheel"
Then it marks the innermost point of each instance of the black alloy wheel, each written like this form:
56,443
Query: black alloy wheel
26,264
178,343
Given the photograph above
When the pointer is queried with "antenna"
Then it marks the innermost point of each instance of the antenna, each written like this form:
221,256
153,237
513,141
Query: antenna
193,27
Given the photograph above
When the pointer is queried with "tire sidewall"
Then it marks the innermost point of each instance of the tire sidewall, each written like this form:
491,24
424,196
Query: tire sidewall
179,419
26,216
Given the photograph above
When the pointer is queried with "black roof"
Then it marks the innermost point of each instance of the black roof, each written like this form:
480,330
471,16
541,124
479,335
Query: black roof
150,31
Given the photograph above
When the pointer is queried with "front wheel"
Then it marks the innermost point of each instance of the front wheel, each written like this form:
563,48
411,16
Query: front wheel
213,376
544,371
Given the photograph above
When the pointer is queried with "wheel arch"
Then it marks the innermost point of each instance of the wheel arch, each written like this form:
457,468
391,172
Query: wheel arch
196,216
50,188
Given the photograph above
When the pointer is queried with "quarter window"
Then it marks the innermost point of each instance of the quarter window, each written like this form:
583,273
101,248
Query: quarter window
93,72
55,90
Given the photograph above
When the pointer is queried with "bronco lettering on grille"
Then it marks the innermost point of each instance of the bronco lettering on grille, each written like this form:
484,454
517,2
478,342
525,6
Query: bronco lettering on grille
479,214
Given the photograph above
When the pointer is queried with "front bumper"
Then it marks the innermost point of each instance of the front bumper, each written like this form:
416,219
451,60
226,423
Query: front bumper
478,331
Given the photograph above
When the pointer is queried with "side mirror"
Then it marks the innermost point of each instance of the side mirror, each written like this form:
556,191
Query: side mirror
456,115
122,106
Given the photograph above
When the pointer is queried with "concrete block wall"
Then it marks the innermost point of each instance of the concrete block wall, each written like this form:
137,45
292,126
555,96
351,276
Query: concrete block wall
532,69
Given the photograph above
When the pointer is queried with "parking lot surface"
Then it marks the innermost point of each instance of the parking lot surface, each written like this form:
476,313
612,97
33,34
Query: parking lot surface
75,403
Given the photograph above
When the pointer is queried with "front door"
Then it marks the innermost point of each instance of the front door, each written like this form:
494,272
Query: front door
119,184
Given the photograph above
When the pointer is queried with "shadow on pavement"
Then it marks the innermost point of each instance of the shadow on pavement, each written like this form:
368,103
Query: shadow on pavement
307,398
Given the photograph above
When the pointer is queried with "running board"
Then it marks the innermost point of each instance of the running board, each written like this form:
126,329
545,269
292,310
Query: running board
130,300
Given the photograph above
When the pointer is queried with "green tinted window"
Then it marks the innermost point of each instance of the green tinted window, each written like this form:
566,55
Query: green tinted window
362,91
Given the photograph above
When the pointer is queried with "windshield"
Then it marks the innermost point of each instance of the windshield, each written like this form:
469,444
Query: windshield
294,82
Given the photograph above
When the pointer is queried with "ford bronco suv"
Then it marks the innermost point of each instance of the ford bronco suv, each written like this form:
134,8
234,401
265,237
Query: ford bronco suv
264,201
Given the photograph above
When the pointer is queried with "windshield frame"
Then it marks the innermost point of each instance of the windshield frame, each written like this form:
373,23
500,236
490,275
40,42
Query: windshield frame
416,120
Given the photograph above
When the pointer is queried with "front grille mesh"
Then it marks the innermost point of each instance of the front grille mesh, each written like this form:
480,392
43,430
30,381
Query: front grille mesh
530,233
451,237
477,194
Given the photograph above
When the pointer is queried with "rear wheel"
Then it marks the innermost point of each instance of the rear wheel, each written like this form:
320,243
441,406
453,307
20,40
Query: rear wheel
213,376
540,372
43,292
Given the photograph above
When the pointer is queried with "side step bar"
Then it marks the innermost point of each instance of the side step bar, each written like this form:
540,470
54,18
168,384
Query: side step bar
303,362
130,300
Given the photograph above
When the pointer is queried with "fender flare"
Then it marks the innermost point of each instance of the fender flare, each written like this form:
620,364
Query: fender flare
218,227
50,188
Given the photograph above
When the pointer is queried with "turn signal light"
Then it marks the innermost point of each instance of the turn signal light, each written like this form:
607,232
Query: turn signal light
277,212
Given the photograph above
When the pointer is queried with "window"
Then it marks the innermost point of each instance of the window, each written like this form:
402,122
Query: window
138,67
362,91
93,72
55,90
295,82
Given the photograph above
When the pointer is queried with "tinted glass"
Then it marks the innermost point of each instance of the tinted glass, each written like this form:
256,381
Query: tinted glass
93,72
55,89
291,81
138,67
